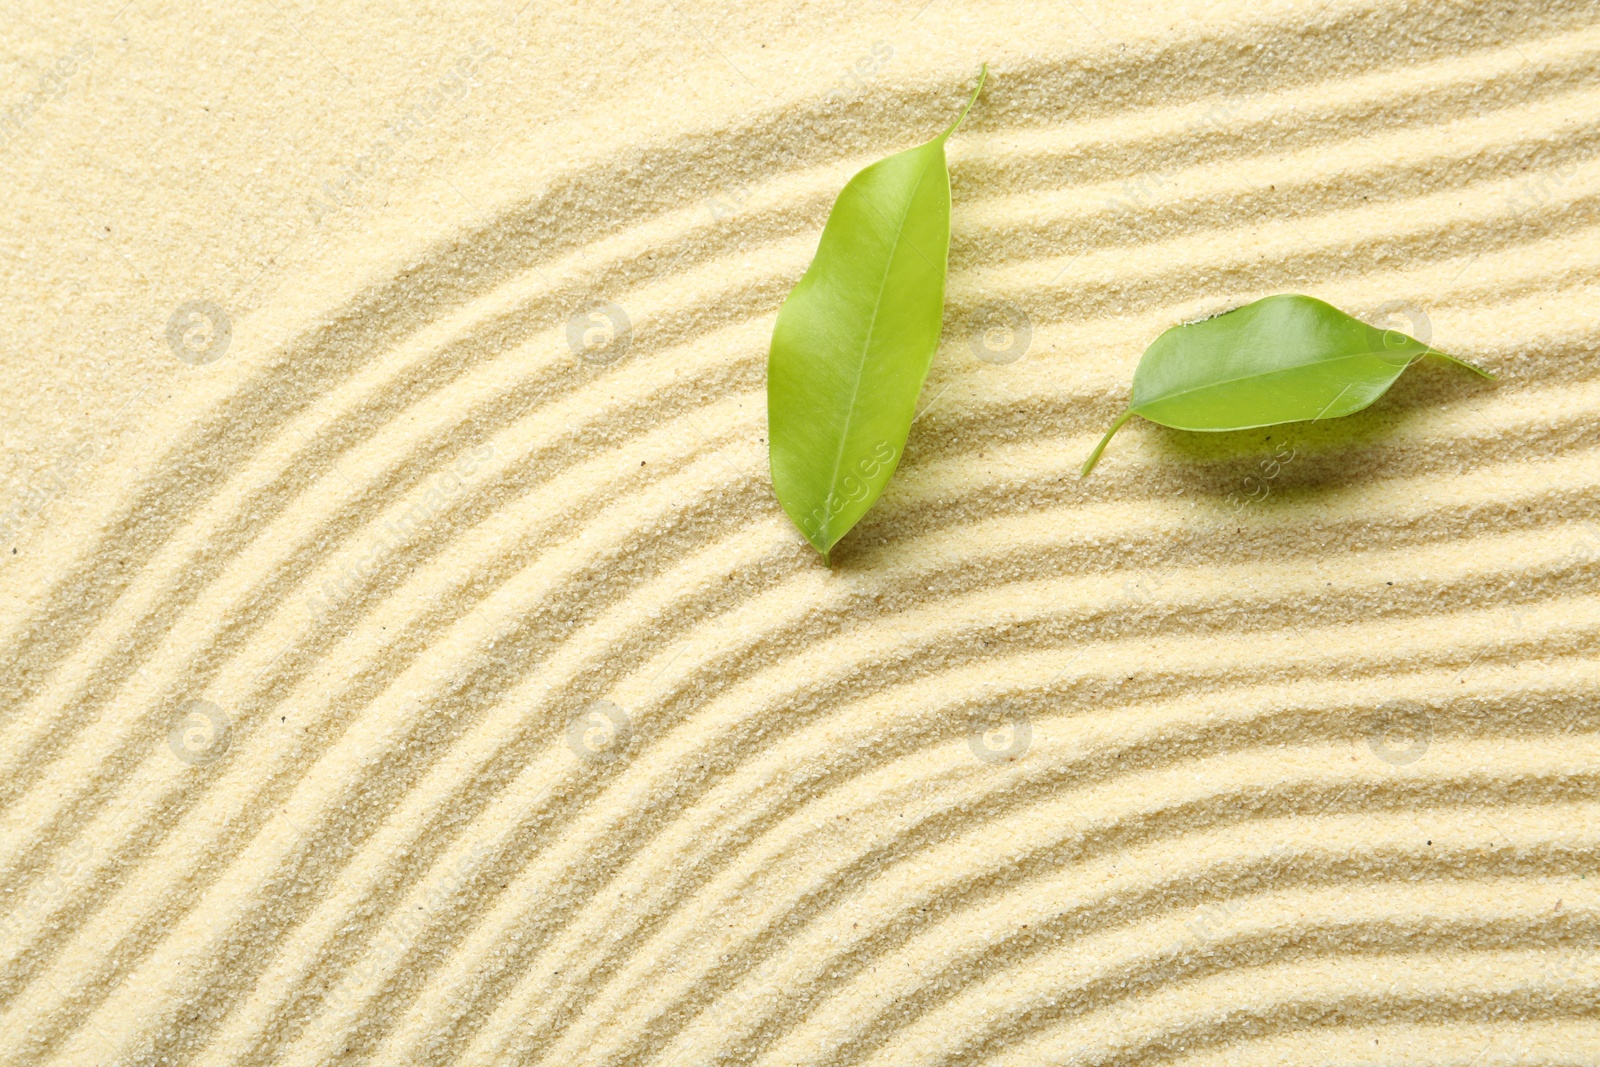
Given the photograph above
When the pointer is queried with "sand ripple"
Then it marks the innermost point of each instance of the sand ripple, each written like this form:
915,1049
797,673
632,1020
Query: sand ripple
447,697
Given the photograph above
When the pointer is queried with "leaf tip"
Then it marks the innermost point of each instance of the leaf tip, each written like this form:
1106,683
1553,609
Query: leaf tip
1458,361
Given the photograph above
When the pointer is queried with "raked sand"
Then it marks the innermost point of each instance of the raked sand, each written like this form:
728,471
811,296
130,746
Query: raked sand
390,678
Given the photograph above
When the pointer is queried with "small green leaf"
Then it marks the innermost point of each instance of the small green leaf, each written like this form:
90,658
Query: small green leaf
1282,359
854,339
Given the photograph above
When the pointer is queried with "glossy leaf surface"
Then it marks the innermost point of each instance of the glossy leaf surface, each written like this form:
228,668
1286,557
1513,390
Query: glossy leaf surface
854,339
1282,359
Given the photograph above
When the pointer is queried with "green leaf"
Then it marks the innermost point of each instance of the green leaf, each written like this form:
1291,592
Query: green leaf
1282,359
854,339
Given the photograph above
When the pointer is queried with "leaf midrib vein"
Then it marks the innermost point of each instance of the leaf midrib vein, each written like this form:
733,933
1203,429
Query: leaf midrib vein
861,361
1267,374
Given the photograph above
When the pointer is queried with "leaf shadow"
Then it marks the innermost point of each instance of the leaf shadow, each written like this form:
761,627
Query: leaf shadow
1296,459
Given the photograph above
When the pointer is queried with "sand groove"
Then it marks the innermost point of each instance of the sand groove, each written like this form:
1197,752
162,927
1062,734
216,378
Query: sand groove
403,568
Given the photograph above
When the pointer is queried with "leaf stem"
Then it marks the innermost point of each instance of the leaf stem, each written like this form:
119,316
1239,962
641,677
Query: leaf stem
1094,457
983,74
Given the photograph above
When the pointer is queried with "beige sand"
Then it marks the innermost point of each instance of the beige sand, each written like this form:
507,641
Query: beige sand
392,679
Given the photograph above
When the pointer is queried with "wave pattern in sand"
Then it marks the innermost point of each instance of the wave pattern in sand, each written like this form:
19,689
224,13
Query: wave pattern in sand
448,696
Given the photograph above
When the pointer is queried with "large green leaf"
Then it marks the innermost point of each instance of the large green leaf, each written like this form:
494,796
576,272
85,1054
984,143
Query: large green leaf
1282,359
854,339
